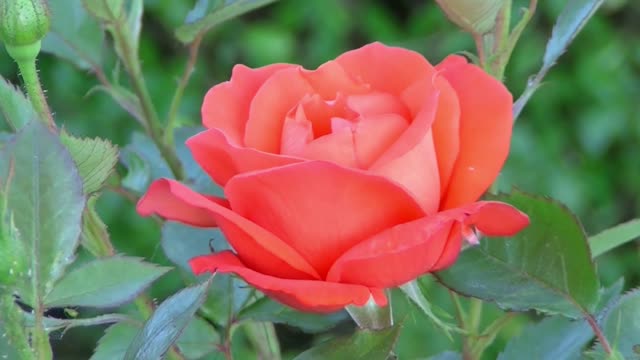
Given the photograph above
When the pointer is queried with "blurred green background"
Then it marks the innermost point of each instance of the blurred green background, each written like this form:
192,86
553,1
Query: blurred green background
578,140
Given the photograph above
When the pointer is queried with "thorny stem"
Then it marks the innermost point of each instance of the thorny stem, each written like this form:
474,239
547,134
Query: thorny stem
29,74
596,329
194,47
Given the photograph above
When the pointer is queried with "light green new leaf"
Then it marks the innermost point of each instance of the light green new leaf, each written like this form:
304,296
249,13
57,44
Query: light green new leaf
14,342
46,200
266,309
75,35
106,282
614,237
546,266
115,341
95,158
15,108
166,324
95,237
208,13
362,345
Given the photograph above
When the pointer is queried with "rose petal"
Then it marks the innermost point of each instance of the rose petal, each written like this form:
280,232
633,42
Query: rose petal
378,104
319,208
331,78
374,134
226,105
486,122
257,247
304,295
404,252
222,160
385,68
411,160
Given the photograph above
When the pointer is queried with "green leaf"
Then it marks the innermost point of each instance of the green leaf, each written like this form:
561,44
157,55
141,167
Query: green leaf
134,22
547,266
447,355
95,237
104,282
124,97
362,345
614,237
198,339
166,324
115,341
14,342
573,18
108,10
208,13
74,36
266,309
145,163
622,325
95,158
46,200
15,108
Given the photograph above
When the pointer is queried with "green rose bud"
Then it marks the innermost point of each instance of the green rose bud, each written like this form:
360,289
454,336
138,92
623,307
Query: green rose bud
23,22
474,16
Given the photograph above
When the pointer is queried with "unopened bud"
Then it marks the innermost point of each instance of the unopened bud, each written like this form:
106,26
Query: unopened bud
474,16
23,22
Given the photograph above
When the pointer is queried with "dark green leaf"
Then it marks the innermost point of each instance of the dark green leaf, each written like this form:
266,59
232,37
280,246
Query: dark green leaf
198,339
108,10
95,237
547,266
124,97
362,345
74,35
115,341
614,237
166,324
46,200
104,282
53,324
266,309
15,108
144,162
95,159
208,13
621,326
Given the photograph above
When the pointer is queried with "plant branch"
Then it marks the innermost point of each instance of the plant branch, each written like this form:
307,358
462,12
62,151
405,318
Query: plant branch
194,47
29,73
598,331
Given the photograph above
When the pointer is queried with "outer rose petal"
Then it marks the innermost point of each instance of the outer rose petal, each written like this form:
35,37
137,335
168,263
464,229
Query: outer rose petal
226,105
222,160
304,295
319,208
385,68
404,252
258,248
486,122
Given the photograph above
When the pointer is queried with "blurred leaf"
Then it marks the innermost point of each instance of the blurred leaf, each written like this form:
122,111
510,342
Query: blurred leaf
198,339
415,293
104,282
53,324
109,10
166,324
138,175
621,326
196,177
572,19
115,341
74,35
46,200
547,266
614,237
559,338
14,342
362,345
134,22
447,355
15,108
95,159
124,97
266,309
208,13
95,237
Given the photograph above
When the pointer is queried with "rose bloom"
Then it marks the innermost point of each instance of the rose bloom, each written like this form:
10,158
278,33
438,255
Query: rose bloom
349,179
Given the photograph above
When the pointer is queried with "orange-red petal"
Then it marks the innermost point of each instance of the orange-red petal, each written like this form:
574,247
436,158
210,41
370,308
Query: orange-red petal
257,247
304,295
486,122
319,208
404,252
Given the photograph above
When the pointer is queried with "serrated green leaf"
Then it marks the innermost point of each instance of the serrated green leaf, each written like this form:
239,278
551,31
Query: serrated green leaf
362,345
614,237
266,309
105,282
208,13
95,159
166,324
115,341
621,326
95,237
198,339
46,200
74,36
15,108
547,266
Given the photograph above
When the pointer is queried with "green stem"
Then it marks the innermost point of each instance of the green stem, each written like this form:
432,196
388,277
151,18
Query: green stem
489,334
475,315
177,96
264,339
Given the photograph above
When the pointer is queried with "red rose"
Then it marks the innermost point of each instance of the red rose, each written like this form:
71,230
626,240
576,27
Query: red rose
346,180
